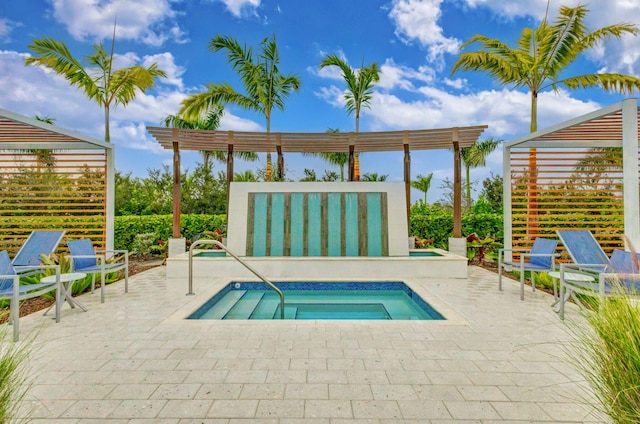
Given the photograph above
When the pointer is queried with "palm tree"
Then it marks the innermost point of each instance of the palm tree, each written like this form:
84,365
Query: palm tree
45,156
374,177
100,82
543,53
359,92
265,86
209,121
475,156
423,184
246,176
538,60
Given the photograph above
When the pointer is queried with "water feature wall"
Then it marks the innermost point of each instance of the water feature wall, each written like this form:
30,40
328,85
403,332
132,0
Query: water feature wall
328,219
317,224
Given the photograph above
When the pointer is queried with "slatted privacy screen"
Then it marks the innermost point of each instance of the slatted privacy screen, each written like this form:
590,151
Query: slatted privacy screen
317,224
44,189
573,189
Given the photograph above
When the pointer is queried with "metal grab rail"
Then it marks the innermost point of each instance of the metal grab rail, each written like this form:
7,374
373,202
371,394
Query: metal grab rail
237,258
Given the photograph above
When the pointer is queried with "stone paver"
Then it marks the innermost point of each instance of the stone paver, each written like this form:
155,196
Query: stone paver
136,360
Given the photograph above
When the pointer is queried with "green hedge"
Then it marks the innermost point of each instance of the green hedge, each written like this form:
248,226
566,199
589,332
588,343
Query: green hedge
127,227
433,223
437,224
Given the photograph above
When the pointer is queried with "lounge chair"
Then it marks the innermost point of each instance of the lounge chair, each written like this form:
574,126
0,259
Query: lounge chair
619,276
39,242
11,289
540,258
584,250
84,258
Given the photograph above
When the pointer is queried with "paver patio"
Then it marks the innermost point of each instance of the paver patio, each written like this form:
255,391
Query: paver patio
134,359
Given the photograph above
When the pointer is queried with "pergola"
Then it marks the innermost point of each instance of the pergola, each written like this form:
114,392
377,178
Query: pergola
580,174
286,142
52,178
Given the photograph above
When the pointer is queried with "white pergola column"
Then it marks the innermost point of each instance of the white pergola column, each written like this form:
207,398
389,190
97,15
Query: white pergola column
630,172
506,200
110,201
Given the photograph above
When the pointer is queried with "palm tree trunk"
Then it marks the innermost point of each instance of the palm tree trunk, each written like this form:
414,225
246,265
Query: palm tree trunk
107,136
468,191
532,187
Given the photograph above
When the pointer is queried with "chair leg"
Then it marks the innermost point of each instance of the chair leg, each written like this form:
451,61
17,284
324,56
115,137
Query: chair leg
126,273
533,281
93,282
103,282
500,273
15,316
522,284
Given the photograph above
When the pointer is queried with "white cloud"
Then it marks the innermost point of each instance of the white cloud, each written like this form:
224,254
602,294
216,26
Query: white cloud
146,21
240,7
418,20
332,95
6,26
34,90
506,112
398,76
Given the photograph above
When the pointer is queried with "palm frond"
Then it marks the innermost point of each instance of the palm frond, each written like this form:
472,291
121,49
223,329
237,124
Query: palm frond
618,83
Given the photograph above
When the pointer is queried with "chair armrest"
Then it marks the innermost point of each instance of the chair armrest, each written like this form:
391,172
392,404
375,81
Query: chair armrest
113,251
28,268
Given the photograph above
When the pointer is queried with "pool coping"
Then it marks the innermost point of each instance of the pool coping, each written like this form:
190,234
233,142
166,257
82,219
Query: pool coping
203,294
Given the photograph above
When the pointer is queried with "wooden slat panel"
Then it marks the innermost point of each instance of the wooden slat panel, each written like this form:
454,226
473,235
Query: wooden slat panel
574,188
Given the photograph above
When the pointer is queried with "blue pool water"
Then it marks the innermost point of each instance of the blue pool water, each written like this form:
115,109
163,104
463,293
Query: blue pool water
221,253
318,301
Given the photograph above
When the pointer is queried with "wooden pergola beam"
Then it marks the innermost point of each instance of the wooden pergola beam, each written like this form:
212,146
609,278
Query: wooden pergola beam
353,143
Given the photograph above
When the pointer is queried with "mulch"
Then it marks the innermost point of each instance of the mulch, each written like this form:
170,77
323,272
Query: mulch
36,304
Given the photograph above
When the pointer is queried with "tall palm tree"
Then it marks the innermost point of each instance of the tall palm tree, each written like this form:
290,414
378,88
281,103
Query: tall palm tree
359,92
265,86
100,82
423,184
209,121
542,54
538,60
475,156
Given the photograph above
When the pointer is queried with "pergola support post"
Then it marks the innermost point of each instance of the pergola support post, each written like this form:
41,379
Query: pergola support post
407,180
352,148
177,244
280,157
630,173
457,244
229,173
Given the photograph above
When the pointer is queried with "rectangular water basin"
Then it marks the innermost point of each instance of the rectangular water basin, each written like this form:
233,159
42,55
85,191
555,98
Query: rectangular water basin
423,253
210,254
318,301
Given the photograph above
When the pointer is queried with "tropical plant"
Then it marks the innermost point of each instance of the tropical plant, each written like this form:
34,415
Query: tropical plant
265,86
100,82
423,184
13,372
246,176
476,156
359,92
374,177
606,351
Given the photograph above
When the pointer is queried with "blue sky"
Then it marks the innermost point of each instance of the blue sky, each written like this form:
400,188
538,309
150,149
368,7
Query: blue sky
415,42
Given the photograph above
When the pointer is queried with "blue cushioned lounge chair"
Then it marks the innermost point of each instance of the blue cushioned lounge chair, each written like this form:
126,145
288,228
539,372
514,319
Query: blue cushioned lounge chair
620,274
539,258
584,249
11,289
84,258
39,242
